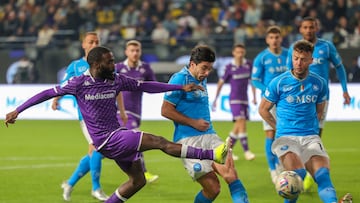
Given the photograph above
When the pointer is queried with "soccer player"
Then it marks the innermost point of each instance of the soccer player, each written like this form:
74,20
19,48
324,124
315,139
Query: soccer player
324,54
238,73
132,66
190,113
95,92
268,64
300,97
92,160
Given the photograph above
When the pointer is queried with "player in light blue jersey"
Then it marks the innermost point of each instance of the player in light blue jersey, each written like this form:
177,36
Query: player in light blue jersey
268,64
92,160
191,116
300,97
324,55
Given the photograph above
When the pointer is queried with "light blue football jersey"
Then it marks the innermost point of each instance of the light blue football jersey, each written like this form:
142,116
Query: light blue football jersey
267,66
324,54
76,68
296,102
192,104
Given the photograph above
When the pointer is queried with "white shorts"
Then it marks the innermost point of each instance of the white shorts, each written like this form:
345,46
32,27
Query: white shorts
207,141
304,146
266,126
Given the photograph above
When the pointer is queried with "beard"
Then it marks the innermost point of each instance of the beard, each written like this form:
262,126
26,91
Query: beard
107,74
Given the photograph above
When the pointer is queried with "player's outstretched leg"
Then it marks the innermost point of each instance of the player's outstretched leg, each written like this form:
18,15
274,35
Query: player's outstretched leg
150,141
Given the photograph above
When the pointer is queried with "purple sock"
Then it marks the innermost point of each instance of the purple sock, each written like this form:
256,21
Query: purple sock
113,199
233,141
198,153
244,143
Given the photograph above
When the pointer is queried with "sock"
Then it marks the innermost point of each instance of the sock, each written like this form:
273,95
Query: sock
233,139
196,153
238,192
270,157
80,171
302,172
116,198
326,189
143,162
200,198
95,169
244,141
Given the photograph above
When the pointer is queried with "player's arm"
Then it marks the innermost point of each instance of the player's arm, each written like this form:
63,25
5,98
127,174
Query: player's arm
36,99
320,110
340,71
253,90
220,84
121,107
264,111
168,110
257,73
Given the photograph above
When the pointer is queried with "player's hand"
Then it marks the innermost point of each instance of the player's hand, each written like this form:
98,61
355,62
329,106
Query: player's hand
11,118
346,98
201,125
192,87
55,104
213,106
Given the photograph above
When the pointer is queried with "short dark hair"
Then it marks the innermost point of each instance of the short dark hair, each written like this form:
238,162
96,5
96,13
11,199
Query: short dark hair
304,46
238,45
273,29
308,18
202,53
95,54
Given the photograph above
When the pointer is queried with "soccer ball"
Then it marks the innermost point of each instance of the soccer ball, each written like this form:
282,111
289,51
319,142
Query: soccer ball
289,184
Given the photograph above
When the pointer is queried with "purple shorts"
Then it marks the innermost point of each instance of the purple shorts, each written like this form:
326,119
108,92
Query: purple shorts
123,147
239,111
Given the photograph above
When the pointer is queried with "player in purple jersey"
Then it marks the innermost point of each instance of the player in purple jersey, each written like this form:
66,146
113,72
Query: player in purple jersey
95,92
91,162
133,67
238,74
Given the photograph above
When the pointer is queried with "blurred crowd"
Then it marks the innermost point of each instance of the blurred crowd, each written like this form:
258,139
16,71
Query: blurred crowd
176,22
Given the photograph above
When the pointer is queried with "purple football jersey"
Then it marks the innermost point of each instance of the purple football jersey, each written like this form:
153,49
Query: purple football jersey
97,100
238,77
133,99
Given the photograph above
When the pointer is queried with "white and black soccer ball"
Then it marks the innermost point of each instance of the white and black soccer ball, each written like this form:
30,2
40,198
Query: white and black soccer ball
289,184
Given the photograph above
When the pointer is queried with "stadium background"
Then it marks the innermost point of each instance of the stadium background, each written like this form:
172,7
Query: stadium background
49,31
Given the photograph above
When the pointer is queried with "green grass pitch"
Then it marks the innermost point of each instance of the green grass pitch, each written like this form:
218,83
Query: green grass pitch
36,156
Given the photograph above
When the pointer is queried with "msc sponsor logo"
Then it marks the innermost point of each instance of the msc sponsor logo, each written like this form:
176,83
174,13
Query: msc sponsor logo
103,95
301,99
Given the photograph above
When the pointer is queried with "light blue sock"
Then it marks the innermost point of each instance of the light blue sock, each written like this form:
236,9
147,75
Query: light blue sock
270,157
80,171
326,189
238,192
95,169
200,198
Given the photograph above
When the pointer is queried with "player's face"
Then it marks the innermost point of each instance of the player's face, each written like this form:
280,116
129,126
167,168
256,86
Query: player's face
301,62
133,53
90,42
308,30
238,53
201,70
107,66
273,40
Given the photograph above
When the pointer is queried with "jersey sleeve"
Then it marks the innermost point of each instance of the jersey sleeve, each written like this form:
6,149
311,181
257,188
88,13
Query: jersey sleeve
271,92
175,96
150,75
289,57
